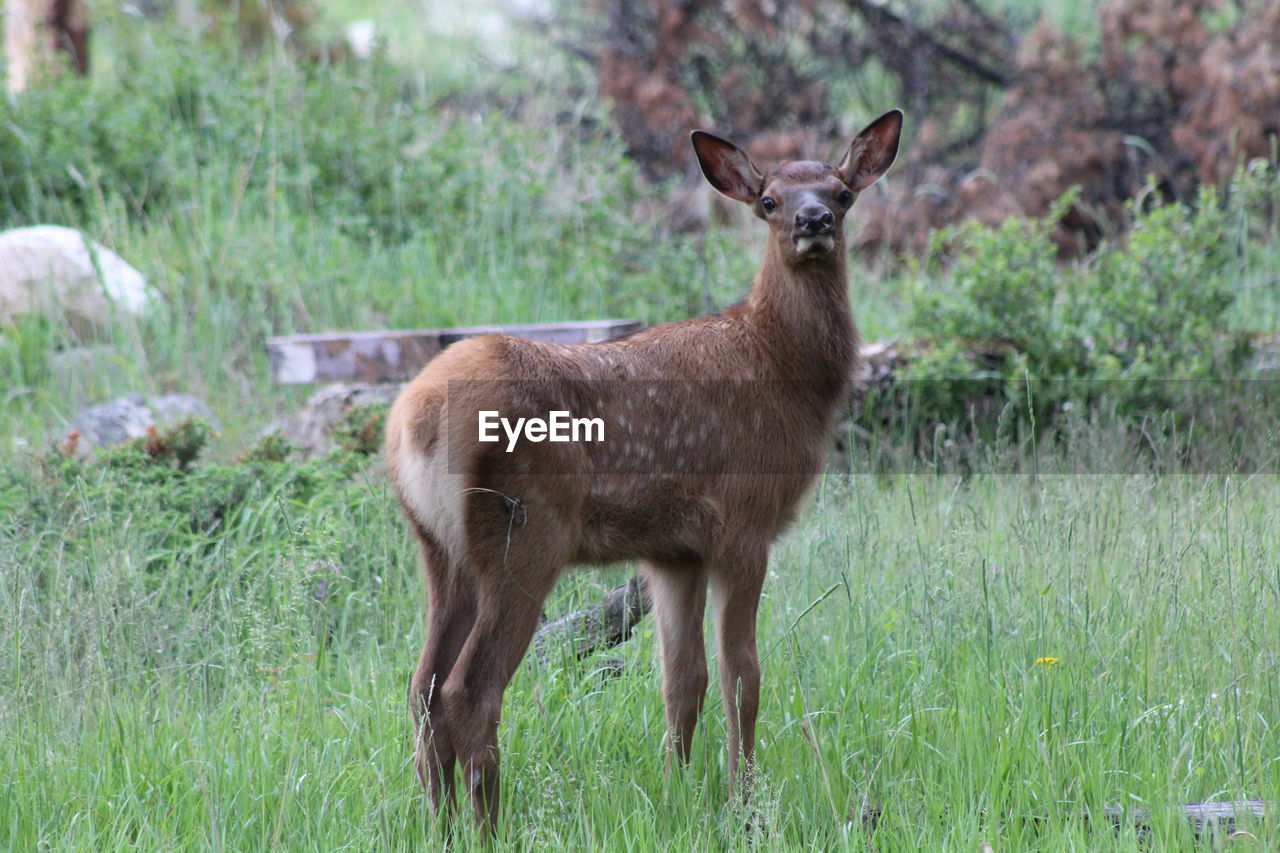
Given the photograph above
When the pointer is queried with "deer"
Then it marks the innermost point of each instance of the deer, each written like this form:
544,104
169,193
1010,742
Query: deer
715,429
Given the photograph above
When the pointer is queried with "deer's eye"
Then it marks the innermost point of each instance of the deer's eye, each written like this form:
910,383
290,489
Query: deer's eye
846,197
768,204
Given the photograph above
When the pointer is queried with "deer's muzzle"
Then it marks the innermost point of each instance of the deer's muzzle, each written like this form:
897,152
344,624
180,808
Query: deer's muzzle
814,230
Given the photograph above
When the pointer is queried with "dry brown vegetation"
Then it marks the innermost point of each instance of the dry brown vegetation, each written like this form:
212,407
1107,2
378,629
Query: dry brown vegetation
770,73
1179,90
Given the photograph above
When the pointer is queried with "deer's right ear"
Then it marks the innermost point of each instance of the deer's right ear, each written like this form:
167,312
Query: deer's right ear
727,168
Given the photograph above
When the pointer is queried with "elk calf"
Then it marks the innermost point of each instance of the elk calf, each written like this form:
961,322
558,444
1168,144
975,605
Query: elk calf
714,429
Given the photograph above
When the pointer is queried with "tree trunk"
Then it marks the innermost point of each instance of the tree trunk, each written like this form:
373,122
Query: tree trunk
37,31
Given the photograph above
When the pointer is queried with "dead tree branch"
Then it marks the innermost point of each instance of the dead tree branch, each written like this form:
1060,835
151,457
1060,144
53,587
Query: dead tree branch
600,626
890,25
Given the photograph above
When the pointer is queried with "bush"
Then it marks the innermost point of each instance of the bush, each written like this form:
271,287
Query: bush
356,145
62,144
176,503
1131,328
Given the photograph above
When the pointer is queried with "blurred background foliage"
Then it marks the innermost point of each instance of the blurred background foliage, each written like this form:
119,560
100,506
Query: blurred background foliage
275,166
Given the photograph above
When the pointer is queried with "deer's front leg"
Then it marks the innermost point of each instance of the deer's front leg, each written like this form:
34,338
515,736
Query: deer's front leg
736,586
679,595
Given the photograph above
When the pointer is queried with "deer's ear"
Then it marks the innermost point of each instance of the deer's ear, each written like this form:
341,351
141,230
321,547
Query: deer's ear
872,152
727,168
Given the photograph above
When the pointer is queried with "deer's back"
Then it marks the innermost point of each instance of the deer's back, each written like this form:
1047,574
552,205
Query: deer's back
699,442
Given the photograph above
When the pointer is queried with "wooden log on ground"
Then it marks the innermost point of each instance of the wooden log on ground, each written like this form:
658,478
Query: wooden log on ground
601,626
1210,821
394,356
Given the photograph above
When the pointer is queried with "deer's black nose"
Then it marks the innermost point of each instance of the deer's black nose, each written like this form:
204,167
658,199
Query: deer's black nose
814,219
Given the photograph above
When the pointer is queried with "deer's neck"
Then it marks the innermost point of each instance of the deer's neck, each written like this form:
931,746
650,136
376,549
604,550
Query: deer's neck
802,313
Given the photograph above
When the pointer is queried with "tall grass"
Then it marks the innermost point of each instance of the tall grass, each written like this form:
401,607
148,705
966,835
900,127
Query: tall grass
994,659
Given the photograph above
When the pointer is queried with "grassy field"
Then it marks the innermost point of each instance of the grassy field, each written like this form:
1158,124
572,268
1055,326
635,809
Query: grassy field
978,659
990,660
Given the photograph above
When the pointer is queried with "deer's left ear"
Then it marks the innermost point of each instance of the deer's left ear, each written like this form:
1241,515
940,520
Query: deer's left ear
872,152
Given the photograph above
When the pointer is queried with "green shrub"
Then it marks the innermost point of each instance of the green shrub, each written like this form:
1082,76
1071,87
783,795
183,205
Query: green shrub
1016,334
62,144
360,430
259,558
354,145
178,502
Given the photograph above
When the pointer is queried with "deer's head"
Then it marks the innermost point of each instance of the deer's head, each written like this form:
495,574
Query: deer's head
804,202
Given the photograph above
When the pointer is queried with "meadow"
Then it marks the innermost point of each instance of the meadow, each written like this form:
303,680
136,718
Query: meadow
217,656
995,659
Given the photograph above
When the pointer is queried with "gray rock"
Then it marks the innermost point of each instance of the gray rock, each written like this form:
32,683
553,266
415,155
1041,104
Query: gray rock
311,428
131,416
169,409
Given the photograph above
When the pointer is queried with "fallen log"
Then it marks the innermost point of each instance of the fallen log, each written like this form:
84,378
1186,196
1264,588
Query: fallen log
1210,821
601,626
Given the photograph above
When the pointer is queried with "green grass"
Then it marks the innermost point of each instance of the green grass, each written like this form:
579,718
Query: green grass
212,698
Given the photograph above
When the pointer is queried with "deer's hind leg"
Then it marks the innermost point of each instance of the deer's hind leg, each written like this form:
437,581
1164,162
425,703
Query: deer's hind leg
510,578
451,613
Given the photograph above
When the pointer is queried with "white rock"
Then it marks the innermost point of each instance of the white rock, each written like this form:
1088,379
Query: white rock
51,270
361,37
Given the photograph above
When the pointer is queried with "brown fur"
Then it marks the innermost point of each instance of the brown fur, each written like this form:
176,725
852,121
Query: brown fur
714,430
